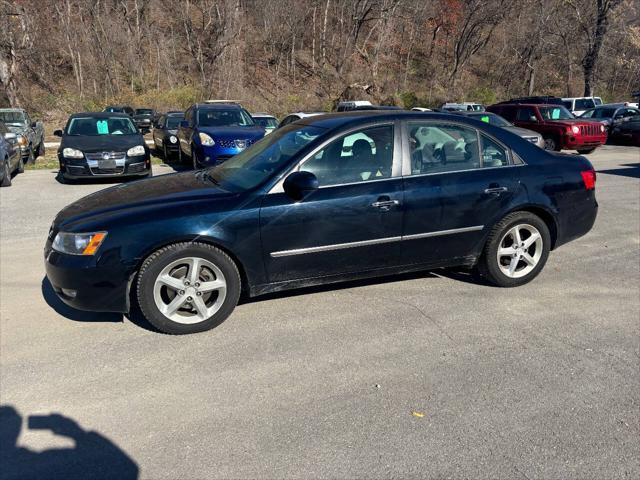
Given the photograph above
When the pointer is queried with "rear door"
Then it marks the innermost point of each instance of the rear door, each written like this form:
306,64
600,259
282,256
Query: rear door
457,183
352,223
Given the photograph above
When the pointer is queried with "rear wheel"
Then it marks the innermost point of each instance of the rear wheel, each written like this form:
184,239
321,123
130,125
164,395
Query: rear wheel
31,159
551,143
516,250
6,175
586,151
188,288
20,168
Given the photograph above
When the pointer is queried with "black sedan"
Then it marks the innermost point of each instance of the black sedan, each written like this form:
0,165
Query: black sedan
102,145
144,118
165,134
626,133
325,199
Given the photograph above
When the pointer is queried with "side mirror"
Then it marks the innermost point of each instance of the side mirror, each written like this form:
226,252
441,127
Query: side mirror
57,133
533,118
184,124
34,124
298,185
10,136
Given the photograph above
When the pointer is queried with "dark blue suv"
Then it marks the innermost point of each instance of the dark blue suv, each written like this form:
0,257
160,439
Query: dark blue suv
214,132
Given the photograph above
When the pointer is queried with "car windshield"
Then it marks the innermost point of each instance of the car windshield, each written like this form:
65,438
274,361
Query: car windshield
12,118
144,111
266,122
555,113
257,163
491,119
599,113
174,121
584,103
224,118
114,110
94,126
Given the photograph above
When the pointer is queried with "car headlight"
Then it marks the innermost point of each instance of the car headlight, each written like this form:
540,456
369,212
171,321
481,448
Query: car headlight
135,151
22,140
78,243
173,139
575,129
206,140
603,128
72,153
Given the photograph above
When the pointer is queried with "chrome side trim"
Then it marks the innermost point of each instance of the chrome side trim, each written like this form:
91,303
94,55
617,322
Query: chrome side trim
337,246
364,243
443,232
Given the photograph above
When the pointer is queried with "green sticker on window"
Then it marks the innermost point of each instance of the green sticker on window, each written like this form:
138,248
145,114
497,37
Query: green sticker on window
103,128
555,114
485,118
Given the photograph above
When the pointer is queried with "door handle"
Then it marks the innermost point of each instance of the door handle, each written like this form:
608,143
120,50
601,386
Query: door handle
496,190
385,204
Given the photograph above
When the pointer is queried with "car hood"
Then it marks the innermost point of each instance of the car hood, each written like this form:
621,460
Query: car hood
100,143
234,133
138,197
143,116
522,132
17,129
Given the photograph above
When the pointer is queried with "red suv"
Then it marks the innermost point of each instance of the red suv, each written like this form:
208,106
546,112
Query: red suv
559,128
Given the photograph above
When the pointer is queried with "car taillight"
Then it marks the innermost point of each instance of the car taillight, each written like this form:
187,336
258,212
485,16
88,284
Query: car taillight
589,179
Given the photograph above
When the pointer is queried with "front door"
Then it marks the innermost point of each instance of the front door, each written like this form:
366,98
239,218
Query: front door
352,223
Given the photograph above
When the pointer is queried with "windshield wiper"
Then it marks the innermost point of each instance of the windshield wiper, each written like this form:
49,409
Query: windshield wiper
205,175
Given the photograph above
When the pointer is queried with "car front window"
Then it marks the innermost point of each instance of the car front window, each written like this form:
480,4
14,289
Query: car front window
174,122
555,113
257,163
12,118
224,118
96,126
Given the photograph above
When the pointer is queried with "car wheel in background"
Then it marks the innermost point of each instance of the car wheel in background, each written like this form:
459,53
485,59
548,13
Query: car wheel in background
196,161
41,149
551,143
188,288
31,159
165,152
516,250
586,151
20,168
6,175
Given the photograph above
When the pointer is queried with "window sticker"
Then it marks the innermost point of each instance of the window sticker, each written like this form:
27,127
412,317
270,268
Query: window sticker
103,128
555,114
485,118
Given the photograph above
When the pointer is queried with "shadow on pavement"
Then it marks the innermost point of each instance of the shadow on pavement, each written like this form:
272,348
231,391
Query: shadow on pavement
66,311
632,170
93,456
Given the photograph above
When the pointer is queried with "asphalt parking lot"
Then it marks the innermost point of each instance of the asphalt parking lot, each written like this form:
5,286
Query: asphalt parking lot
429,375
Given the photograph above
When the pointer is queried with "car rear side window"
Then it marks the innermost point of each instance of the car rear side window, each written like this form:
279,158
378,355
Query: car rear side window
493,154
359,156
526,114
441,147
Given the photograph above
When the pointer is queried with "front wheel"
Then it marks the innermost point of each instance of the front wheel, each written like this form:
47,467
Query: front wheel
516,250
6,178
586,151
188,288
41,149
551,143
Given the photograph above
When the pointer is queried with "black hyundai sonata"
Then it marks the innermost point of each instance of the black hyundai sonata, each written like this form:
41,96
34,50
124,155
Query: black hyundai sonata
325,199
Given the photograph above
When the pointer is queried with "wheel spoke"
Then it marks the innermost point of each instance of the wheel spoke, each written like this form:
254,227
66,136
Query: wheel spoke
201,307
194,270
505,251
515,234
529,241
529,259
170,281
175,304
514,264
213,285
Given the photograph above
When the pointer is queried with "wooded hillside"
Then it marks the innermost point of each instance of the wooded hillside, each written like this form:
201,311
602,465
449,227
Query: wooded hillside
287,55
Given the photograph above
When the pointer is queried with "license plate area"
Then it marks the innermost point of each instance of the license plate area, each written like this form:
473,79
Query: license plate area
107,164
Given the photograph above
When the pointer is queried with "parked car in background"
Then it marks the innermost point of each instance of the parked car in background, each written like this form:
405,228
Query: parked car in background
557,125
10,158
102,144
294,117
453,107
611,114
211,133
421,109
266,121
165,133
352,105
120,109
578,105
296,210
144,118
537,100
626,133
498,121
30,134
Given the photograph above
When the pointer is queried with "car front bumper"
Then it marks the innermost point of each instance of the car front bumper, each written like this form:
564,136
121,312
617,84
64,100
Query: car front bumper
82,168
216,155
88,283
573,142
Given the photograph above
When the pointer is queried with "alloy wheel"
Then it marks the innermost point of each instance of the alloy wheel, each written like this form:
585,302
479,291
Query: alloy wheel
519,250
190,290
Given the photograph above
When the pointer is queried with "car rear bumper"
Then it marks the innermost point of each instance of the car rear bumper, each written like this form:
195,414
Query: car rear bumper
80,283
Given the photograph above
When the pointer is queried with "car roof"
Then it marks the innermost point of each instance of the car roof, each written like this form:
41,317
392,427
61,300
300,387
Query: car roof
217,106
100,115
175,112
554,105
262,115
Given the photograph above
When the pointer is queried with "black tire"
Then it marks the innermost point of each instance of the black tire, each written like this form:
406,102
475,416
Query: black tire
180,155
586,151
551,144
194,157
489,266
6,178
41,149
20,168
156,262
165,152
31,159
